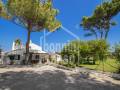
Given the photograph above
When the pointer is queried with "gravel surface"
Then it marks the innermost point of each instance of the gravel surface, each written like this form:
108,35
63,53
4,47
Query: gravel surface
52,78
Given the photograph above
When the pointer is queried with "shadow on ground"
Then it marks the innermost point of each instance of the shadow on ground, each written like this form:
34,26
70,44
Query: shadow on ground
50,80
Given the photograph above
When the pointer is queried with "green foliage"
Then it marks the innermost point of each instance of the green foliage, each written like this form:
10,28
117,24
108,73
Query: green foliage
3,12
34,14
100,22
70,65
117,52
99,47
17,42
86,50
117,55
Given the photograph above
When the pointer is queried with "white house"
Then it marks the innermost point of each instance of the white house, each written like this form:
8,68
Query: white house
1,56
56,57
17,55
37,55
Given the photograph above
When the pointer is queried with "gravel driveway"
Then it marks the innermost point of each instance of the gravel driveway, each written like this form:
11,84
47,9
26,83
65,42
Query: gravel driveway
51,78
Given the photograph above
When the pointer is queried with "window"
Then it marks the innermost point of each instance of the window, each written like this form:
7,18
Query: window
37,57
12,57
17,57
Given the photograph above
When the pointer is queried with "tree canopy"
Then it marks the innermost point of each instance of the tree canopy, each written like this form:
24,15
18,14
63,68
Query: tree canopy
3,12
34,13
101,21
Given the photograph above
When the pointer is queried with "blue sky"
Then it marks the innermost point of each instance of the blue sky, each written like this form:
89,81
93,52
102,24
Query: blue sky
71,13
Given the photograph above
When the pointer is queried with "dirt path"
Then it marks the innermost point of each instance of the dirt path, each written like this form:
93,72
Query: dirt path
51,78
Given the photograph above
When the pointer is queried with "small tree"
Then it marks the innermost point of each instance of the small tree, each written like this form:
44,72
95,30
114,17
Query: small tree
85,50
34,15
117,55
18,42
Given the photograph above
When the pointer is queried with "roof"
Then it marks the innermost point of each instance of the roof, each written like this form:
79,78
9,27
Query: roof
33,48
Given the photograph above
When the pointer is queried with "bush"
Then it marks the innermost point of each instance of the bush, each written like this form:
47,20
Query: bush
70,65
85,51
61,63
117,55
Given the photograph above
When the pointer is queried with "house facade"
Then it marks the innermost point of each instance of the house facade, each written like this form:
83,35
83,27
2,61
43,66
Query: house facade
37,55
17,54
1,56
56,57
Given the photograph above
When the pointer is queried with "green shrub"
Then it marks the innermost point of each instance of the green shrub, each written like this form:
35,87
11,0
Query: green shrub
85,51
61,63
117,55
70,65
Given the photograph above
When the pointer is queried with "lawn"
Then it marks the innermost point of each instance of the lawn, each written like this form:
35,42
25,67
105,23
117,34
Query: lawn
110,65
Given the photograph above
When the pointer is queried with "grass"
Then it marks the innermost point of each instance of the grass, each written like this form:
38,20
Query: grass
110,65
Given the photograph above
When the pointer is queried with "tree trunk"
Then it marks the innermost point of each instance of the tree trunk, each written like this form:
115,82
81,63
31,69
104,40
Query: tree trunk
96,36
101,36
68,59
95,33
106,34
103,66
27,46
